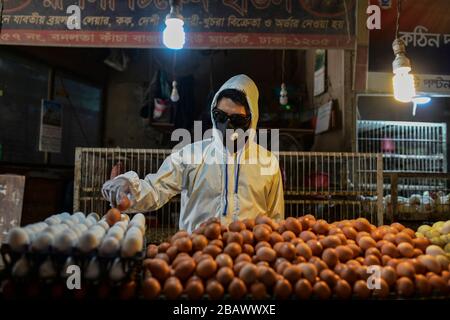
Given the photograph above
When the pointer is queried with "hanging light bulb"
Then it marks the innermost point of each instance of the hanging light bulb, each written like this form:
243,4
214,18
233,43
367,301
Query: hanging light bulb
403,81
283,95
174,96
173,34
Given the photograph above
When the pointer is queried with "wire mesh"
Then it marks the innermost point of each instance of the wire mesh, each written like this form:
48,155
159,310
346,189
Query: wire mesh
332,186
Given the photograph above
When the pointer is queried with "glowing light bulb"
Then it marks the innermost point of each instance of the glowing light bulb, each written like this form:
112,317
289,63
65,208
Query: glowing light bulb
173,34
174,96
283,95
404,89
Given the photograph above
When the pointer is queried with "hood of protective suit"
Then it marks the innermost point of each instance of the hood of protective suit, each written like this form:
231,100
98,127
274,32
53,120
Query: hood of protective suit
242,83
212,187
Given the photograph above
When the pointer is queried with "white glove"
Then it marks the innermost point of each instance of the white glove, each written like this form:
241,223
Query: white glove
114,190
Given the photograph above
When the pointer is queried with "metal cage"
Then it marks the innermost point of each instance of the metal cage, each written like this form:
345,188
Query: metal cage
331,186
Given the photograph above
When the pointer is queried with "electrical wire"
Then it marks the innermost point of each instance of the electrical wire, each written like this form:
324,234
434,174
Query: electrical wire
283,59
397,26
174,62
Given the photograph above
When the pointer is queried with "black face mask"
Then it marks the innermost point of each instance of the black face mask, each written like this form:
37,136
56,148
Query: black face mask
232,128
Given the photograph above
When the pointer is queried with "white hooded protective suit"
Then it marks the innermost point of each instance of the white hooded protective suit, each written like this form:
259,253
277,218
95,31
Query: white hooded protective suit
216,183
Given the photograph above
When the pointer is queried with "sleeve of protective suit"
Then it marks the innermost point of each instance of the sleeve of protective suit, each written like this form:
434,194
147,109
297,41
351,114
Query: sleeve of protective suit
276,197
155,190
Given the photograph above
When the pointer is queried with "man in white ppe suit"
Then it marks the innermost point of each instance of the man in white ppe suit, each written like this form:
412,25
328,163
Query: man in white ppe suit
228,176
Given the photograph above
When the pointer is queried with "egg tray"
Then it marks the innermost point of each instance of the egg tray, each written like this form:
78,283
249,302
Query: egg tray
131,265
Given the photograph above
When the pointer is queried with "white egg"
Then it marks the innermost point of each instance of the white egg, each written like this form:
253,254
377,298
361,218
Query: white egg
135,224
124,217
122,224
93,270
65,241
64,215
133,243
140,218
81,227
103,224
18,238
43,241
116,232
89,222
47,270
21,267
31,234
68,222
91,239
117,273
80,216
110,246
94,216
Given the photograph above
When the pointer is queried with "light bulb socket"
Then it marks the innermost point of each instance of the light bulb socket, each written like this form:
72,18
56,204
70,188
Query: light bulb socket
401,60
174,10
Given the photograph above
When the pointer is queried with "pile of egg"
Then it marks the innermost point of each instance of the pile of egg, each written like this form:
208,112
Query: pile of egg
64,233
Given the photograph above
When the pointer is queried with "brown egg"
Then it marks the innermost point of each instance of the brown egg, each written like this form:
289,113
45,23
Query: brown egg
275,237
288,251
393,263
297,241
292,273
303,250
381,243
330,242
217,242
282,266
249,223
377,234
390,249
405,269
261,233
248,249
373,251
266,254
185,268
247,236
172,288
366,242
383,291
264,220
201,256
430,263
372,260
112,216
266,275
389,237
183,244
362,224
277,248
309,271
321,290
349,273
151,288
321,227
410,232
214,289
238,266
356,249
330,257
342,289
445,275
194,289
224,260
293,225
404,287
438,285
237,289
361,289
303,289
423,287
282,289
234,237
334,231
418,267
243,257
315,247
356,262
329,277
350,232
152,251
233,249
162,256
159,268
212,250
344,253
318,263
299,260
385,259
225,275
421,243
237,226
397,226
248,273
307,235
262,244
199,242
213,231
206,268
402,237
417,252
288,236
172,252
258,291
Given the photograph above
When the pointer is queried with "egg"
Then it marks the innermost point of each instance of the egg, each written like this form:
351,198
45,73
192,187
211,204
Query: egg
402,237
261,244
79,216
331,242
438,285
275,237
383,291
390,249
93,269
342,289
362,224
47,270
214,289
199,242
282,289
63,273
225,275
372,260
206,268
330,257
329,277
366,242
266,275
430,263
110,246
183,244
266,254
344,253
292,274
321,290
247,236
261,233
103,224
194,288
309,271
112,216
213,231
287,251
135,224
185,268
422,285
315,246
349,273
307,235
115,232
172,288
235,237
361,289
117,273
138,218
248,249
151,288
43,241
159,268
122,224
243,257
65,241
303,250
237,289
21,267
405,287
258,291
293,225
421,243
405,269
224,260
18,239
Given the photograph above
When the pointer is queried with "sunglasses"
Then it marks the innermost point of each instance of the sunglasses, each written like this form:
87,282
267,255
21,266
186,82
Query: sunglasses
236,120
